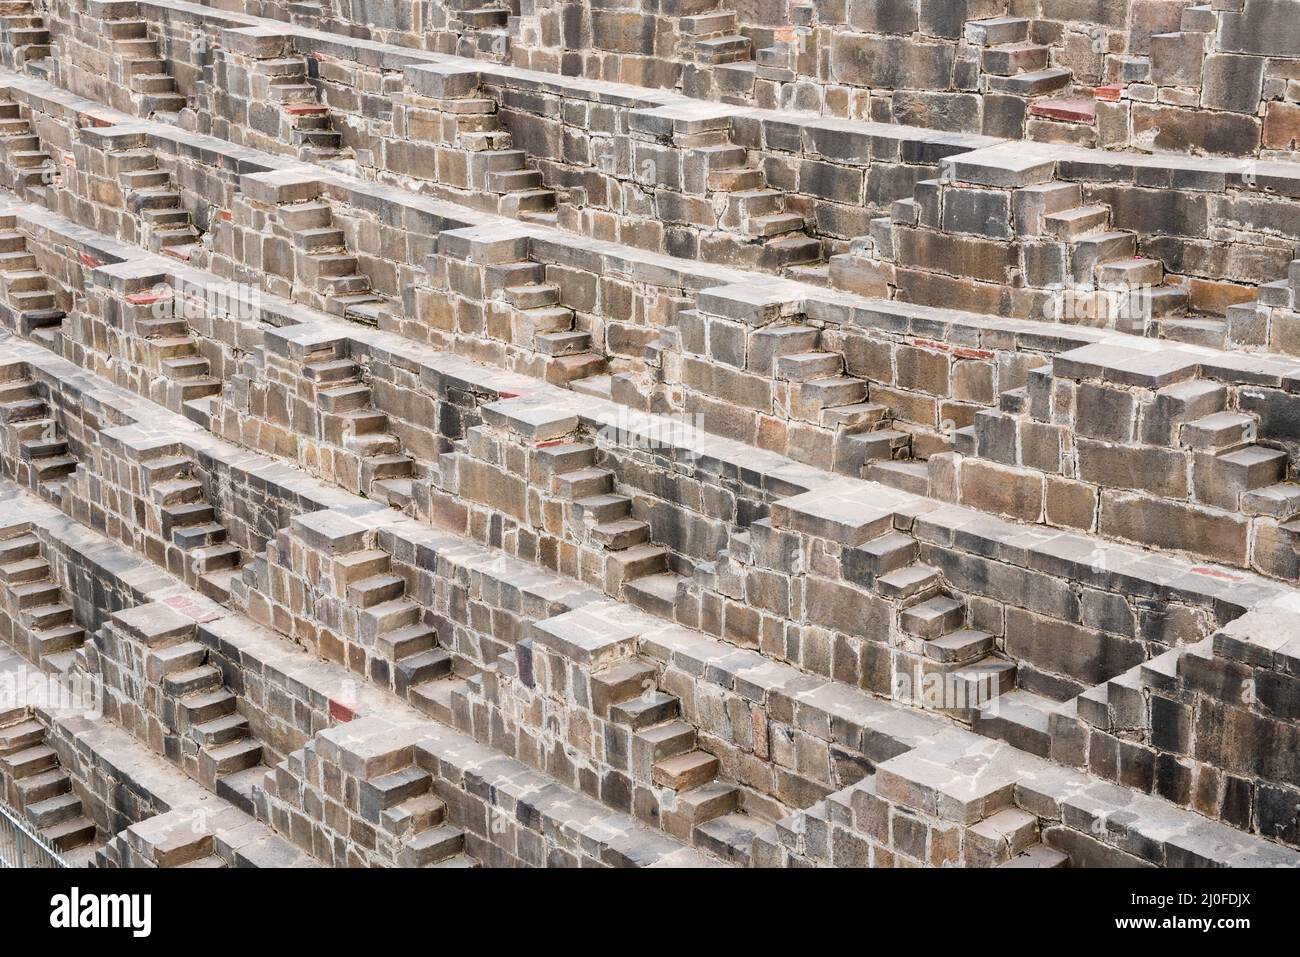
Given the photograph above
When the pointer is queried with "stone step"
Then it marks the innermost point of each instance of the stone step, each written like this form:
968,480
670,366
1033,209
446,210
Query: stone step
45,617
409,638
803,366
207,706
533,295
598,509
1031,83
54,810
817,395
681,772
908,581
1072,223
994,31
907,476
638,561
1130,273
375,590
71,834
224,730
29,762
1009,59
223,759
959,647
193,681
23,570
422,667
1019,718
650,708
656,594
432,846
21,736
933,617
1066,109
42,786
726,49
199,535
57,640
619,534
583,484
884,554
1218,431
728,836
1038,855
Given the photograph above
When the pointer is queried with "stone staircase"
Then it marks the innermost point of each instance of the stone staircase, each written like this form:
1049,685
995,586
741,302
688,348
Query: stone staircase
326,272
497,167
153,90
404,652
172,350
712,33
1231,470
224,755
943,663
754,209
350,420
1107,282
820,390
1011,63
401,804
603,518
189,522
26,290
53,635
151,195
712,814
29,170
483,28
23,33
44,463
39,786
307,123
528,312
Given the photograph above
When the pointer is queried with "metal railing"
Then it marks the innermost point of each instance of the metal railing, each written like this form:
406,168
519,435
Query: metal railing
20,846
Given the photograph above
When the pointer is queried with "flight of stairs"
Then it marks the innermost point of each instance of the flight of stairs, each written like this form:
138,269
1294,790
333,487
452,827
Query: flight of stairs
603,518
28,169
153,90
349,419
401,803
26,290
311,126
755,210
151,195
52,633
820,390
23,33
483,28
540,323
714,815
39,786
327,273
174,352
1011,63
1114,286
230,760
952,667
189,522
505,169
44,462
405,654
